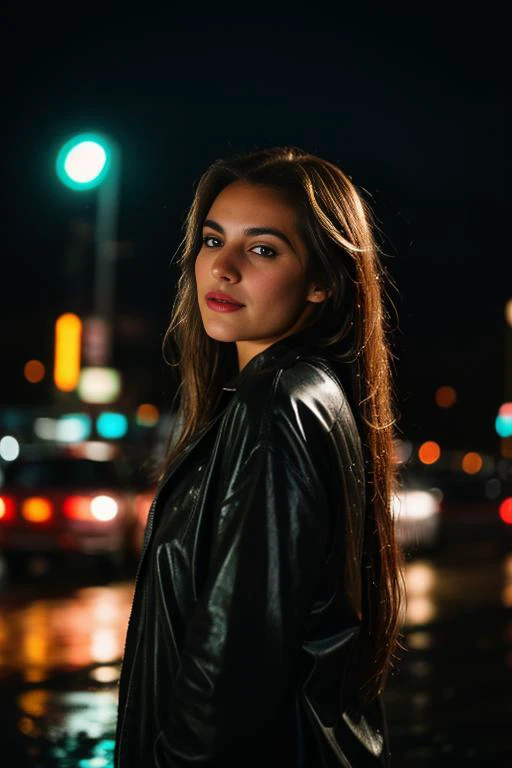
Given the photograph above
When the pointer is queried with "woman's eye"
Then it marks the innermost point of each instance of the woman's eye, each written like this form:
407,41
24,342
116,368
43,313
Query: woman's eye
270,251
209,237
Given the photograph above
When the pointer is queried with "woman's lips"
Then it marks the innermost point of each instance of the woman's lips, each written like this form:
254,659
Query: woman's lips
219,306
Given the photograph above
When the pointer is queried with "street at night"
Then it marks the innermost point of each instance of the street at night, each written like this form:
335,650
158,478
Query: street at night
448,701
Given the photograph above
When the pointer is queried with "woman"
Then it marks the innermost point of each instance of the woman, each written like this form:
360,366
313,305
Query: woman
266,606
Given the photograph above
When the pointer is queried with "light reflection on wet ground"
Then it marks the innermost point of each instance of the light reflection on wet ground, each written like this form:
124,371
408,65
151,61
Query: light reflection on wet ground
448,703
59,667
71,631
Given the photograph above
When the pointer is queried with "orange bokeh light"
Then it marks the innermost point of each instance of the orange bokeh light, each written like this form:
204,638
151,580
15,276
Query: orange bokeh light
445,396
36,509
34,371
472,463
429,452
147,414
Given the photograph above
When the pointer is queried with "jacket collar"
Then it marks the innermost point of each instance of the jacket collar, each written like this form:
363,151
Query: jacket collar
284,351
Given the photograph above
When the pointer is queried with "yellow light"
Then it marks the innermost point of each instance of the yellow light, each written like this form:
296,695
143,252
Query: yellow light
429,452
34,371
68,334
472,463
36,509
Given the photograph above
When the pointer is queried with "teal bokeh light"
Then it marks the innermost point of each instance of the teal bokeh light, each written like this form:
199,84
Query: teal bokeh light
73,427
503,425
111,425
84,161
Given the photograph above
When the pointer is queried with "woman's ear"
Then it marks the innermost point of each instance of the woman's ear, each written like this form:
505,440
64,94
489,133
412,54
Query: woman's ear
318,294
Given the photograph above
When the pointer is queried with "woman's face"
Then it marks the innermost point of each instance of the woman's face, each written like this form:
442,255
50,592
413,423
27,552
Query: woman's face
262,269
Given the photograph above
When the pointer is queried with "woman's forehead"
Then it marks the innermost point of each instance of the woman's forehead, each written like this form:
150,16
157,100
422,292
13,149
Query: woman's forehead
256,205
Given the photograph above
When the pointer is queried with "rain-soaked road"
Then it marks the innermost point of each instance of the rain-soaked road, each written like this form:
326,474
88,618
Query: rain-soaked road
449,704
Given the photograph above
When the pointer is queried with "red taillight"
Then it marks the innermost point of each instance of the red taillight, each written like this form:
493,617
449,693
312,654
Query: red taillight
37,509
505,510
7,507
77,508
98,508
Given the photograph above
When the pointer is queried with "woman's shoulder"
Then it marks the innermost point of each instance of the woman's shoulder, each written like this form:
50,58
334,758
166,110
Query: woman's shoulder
307,387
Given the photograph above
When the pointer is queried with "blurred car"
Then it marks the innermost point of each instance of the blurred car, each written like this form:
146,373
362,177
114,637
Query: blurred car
416,512
444,503
67,502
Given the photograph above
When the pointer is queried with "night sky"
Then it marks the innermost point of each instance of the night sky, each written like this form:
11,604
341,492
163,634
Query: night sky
410,103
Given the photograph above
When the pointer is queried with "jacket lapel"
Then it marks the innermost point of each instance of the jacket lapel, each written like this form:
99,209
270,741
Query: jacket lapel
195,440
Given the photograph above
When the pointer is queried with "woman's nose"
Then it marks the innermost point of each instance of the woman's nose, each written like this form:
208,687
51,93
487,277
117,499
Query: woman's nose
226,263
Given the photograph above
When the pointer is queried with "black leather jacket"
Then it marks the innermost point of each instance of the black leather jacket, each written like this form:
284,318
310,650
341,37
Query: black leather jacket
248,600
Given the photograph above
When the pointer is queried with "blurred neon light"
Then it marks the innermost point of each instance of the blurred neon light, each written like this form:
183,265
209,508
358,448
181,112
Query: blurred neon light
68,334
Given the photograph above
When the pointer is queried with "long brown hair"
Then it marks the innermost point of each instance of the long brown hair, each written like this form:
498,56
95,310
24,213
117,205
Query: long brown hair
337,228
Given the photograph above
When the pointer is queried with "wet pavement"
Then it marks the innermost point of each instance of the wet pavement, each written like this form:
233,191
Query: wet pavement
61,642
448,702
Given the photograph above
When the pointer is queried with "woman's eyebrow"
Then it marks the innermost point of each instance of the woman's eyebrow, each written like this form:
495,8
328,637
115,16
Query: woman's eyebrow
252,231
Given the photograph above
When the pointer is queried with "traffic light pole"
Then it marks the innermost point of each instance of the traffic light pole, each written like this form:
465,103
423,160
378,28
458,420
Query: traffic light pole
106,250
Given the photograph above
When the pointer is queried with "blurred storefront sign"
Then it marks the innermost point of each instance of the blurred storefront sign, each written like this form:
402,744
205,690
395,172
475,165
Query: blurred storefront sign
96,340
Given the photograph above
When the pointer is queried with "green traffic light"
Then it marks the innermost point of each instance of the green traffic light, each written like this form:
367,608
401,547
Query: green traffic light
84,161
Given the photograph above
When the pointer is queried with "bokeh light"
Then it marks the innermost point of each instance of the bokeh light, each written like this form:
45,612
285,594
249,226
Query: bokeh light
68,334
111,426
429,452
505,510
84,161
9,448
147,415
445,396
34,371
37,509
471,463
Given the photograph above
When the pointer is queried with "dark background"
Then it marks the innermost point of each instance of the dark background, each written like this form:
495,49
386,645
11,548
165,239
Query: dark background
409,101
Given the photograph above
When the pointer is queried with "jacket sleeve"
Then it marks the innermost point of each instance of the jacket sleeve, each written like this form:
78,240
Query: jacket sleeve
242,643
